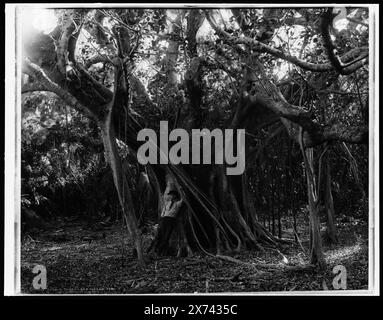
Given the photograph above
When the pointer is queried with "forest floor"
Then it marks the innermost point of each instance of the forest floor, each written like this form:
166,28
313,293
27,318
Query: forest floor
94,259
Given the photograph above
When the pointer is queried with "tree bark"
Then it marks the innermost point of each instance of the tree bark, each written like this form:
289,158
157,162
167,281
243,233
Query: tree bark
120,182
316,253
329,203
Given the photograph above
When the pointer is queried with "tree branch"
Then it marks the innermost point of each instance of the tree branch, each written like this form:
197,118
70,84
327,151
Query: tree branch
66,44
97,59
261,47
350,134
353,20
45,84
294,118
96,29
337,63
32,87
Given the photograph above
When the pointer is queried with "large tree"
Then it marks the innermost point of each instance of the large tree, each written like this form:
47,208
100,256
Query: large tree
95,61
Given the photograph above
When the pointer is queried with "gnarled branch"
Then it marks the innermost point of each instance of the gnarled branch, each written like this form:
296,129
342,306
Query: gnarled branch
46,84
261,47
339,66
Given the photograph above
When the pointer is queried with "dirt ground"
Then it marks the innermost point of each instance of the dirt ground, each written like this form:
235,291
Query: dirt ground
98,259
